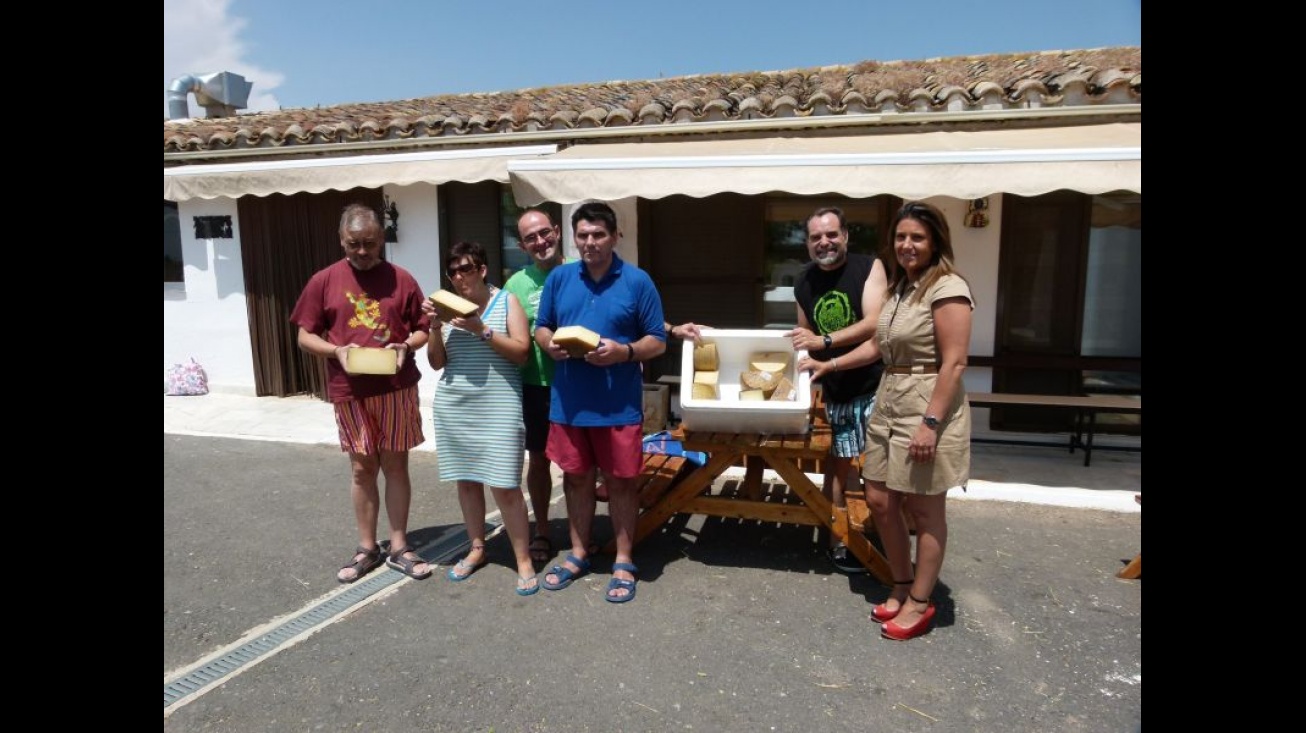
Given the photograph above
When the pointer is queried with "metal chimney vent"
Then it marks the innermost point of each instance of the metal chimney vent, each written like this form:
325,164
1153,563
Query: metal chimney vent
220,94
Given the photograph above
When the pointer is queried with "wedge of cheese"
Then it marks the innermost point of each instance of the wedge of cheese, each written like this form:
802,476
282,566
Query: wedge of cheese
761,381
751,395
769,361
705,391
450,305
705,357
577,340
785,391
708,377
366,360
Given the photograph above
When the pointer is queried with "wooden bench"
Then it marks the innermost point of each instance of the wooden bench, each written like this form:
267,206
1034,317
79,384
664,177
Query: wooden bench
661,472
1085,407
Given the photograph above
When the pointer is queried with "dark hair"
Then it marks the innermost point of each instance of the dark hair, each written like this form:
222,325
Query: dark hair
941,258
353,213
471,250
595,212
838,214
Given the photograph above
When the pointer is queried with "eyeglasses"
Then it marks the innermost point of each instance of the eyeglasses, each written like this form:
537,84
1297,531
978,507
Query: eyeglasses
453,272
542,235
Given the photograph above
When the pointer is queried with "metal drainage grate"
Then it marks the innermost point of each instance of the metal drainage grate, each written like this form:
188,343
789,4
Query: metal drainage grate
208,674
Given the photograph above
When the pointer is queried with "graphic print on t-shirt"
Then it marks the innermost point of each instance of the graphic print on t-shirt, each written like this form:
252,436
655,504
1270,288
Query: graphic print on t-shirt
367,313
832,312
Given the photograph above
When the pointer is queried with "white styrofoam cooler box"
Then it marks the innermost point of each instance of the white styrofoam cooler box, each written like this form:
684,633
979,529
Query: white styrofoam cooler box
729,414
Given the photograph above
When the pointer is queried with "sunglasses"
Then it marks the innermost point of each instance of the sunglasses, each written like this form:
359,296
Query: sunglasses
453,272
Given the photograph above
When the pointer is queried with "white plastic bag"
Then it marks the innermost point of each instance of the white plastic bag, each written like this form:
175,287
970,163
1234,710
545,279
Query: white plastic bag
185,379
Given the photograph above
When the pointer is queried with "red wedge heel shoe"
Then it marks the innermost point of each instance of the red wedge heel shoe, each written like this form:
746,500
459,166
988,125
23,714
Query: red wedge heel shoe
892,630
881,613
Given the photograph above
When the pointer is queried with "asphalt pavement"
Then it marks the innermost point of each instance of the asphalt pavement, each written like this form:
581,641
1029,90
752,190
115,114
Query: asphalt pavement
737,625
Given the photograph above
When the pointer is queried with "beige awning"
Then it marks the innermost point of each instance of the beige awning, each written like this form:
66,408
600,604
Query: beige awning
964,165
315,175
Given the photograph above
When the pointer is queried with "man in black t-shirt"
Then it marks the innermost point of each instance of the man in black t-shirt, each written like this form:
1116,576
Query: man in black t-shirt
839,297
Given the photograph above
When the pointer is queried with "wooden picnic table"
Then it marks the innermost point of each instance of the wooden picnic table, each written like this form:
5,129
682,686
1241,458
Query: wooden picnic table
696,491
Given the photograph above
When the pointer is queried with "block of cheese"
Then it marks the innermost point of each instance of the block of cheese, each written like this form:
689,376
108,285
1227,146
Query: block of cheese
712,378
705,357
754,379
366,360
769,361
449,305
785,391
751,395
577,340
705,391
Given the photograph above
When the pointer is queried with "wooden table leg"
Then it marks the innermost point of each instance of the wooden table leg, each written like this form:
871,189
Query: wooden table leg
753,466
834,518
1133,570
692,485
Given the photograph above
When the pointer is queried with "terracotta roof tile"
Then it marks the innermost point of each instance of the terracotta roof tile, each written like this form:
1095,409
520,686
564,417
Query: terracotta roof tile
1049,78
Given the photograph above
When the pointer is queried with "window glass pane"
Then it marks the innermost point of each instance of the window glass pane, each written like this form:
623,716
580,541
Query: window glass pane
513,258
785,250
172,260
1113,292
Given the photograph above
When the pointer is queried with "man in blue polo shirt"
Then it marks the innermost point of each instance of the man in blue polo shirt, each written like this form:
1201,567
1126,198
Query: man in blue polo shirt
596,410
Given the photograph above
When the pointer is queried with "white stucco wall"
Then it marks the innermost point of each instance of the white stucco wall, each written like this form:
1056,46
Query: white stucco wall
418,252
208,321
976,252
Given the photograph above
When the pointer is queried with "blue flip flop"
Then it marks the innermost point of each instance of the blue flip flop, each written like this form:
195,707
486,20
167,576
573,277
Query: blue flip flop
565,574
527,590
617,583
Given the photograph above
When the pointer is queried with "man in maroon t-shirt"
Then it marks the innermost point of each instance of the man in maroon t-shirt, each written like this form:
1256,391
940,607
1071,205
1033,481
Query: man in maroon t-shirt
359,301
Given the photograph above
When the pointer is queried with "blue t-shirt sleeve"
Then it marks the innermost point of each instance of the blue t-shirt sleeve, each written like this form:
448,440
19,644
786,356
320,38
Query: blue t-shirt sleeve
650,309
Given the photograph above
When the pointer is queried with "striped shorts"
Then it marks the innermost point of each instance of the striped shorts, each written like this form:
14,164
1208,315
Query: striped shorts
390,422
848,425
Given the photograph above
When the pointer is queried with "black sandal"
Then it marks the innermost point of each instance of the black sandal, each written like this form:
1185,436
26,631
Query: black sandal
397,561
362,566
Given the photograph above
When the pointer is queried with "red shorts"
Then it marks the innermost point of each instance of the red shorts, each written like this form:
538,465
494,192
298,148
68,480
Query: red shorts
618,450
389,422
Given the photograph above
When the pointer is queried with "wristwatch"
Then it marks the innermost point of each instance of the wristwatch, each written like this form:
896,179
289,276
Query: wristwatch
931,422
487,334
829,342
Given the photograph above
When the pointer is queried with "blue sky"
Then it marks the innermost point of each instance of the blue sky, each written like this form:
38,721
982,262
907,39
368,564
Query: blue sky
304,54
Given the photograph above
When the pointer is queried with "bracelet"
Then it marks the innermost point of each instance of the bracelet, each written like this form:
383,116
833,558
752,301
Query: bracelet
834,365
489,334
630,352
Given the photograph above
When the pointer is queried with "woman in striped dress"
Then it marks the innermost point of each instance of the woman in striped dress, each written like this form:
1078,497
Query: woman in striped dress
479,433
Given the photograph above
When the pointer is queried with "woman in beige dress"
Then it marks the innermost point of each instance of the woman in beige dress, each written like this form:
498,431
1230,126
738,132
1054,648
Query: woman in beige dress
918,437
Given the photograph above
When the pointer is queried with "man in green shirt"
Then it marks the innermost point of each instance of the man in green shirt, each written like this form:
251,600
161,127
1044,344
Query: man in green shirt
541,239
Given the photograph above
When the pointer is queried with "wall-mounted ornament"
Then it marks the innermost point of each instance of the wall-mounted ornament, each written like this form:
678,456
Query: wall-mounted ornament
212,227
977,215
391,221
